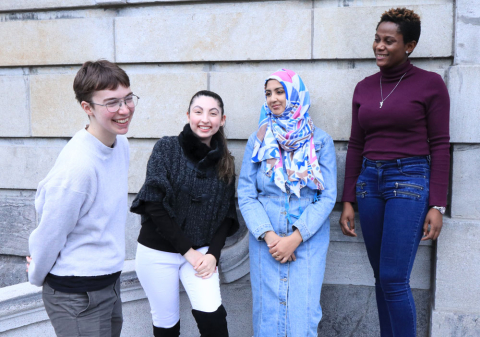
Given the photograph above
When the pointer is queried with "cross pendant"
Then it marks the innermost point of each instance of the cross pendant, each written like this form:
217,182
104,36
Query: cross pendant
381,103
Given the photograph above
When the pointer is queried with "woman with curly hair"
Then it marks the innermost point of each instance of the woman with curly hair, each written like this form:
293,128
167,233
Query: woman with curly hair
397,167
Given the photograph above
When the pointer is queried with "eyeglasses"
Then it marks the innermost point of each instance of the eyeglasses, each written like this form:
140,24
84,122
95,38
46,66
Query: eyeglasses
130,101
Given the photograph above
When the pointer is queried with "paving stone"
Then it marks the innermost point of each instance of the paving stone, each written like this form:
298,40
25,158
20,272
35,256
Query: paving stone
17,221
455,324
333,40
251,32
12,270
457,272
63,41
15,114
467,30
464,104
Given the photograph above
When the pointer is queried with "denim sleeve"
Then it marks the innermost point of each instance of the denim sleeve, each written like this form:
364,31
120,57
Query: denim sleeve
316,213
252,210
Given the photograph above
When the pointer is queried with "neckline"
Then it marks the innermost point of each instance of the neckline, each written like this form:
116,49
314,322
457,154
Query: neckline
396,72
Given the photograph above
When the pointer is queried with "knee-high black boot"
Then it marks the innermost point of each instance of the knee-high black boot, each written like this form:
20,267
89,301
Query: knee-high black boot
174,331
212,324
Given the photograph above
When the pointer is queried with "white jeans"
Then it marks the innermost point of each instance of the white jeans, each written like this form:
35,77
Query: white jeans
159,273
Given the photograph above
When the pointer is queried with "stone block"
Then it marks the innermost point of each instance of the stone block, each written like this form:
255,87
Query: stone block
140,151
62,41
332,40
11,5
12,270
246,35
457,272
352,311
467,30
29,161
54,110
465,171
17,221
163,105
347,263
464,104
455,324
15,114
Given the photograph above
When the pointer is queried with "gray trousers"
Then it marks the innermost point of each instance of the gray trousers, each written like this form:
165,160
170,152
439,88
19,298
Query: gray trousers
93,314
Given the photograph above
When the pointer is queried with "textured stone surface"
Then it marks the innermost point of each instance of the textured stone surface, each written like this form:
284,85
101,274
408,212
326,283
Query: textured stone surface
132,228
29,161
223,36
352,311
17,221
163,105
10,5
465,171
354,40
465,104
457,271
62,116
455,324
12,270
467,30
15,114
71,41
347,263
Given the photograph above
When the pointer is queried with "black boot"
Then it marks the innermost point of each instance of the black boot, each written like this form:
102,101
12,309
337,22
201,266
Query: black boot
174,331
212,324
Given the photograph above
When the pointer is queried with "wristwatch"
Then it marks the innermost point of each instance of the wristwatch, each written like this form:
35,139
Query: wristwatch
440,209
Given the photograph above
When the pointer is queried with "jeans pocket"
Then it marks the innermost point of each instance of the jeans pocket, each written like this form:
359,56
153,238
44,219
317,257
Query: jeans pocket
416,171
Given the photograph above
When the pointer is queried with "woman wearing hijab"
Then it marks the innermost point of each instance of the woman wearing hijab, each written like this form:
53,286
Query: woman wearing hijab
286,191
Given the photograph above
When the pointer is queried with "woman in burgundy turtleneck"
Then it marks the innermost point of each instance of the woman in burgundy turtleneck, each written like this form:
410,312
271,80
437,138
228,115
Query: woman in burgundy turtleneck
397,167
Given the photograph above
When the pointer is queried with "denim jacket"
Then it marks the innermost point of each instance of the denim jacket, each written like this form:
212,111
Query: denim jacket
294,285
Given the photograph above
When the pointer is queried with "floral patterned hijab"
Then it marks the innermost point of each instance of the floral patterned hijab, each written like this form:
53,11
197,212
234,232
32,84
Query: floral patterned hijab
292,131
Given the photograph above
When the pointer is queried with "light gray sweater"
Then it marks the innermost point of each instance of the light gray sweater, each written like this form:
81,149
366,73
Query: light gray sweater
82,209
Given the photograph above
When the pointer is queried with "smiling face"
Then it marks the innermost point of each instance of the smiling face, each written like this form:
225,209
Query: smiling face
276,98
106,125
205,117
389,49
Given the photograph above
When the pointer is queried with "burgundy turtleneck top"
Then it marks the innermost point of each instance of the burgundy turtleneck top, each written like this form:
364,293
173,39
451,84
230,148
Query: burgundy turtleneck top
413,121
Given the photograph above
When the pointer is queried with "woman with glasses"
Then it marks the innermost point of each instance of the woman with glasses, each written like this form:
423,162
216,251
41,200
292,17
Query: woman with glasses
287,189
397,166
188,209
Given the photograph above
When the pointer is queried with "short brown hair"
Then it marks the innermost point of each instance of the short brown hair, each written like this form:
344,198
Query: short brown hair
98,75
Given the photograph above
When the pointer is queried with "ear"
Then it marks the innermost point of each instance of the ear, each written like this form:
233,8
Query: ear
410,46
222,122
188,116
87,108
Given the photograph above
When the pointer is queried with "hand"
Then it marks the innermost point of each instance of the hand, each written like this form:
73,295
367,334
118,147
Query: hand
29,259
206,266
433,225
283,249
193,256
348,217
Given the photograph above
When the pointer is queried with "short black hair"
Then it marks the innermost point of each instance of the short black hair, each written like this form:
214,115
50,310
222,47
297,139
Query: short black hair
408,23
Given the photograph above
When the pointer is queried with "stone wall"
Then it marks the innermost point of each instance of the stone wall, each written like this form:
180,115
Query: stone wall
171,49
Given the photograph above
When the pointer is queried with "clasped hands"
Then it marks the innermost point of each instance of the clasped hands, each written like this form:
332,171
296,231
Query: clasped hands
283,248
204,265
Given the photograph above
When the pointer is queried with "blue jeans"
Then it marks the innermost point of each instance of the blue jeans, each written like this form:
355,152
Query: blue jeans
392,201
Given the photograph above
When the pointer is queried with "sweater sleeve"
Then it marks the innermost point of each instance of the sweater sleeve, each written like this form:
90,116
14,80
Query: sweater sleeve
167,227
438,118
157,187
354,153
219,238
59,208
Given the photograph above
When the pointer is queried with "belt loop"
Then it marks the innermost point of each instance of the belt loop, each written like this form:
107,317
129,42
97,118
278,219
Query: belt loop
399,163
429,159
364,163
